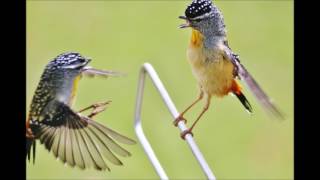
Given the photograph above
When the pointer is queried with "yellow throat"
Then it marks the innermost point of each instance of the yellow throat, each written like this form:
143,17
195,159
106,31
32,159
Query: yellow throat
74,89
196,38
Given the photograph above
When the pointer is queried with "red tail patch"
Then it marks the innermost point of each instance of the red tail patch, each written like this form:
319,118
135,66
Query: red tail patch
235,87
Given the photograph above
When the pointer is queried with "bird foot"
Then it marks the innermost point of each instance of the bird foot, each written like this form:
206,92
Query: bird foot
97,105
185,132
96,108
178,119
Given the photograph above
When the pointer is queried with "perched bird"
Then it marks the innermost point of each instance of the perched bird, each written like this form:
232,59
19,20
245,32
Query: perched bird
213,63
75,139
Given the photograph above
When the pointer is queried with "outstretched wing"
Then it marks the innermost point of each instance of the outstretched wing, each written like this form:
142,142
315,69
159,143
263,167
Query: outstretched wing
80,141
244,75
92,72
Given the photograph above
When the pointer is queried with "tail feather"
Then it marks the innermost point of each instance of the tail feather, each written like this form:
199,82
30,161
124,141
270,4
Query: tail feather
31,143
28,148
244,101
236,90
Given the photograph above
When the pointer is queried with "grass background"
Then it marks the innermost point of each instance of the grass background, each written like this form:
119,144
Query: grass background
121,35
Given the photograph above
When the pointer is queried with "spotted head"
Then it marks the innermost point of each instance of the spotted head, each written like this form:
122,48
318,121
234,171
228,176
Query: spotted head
205,17
69,61
64,68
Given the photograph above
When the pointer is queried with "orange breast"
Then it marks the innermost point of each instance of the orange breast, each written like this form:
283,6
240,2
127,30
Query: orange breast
213,73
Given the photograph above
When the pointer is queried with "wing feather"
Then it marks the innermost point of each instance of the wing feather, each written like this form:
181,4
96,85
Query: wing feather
251,83
79,141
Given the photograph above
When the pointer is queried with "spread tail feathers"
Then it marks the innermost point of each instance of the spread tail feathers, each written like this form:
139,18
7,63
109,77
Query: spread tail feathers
244,101
31,143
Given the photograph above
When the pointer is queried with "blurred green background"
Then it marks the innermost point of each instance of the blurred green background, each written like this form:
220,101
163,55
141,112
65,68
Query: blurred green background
122,35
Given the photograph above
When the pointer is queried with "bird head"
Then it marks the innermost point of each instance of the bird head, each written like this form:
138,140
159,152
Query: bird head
205,17
71,64
70,61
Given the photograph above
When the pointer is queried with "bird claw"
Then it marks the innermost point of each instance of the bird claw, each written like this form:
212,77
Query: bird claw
97,108
185,132
97,105
96,111
178,119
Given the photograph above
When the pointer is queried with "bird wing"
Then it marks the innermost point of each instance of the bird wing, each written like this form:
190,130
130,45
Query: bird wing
241,72
92,72
79,141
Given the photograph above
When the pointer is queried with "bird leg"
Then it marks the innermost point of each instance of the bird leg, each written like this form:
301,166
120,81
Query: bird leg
205,108
97,108
29,133
180,117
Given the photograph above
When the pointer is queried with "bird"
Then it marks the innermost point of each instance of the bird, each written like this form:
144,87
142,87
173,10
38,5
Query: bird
75,139
214,65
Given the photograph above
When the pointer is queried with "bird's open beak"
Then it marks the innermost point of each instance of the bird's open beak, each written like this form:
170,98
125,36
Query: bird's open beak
84,64
187,22
88,60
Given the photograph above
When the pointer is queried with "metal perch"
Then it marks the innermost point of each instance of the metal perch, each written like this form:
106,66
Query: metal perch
147,69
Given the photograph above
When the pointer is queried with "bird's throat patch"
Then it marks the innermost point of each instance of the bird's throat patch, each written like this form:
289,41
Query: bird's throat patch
74,89
196,38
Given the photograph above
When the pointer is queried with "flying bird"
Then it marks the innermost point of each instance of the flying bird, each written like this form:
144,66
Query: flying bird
75,139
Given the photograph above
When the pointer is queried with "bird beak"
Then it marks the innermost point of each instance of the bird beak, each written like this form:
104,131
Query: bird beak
88,60
183,17
85,64
184,25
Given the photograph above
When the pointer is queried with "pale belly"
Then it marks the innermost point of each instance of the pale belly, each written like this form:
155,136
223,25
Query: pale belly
214,76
